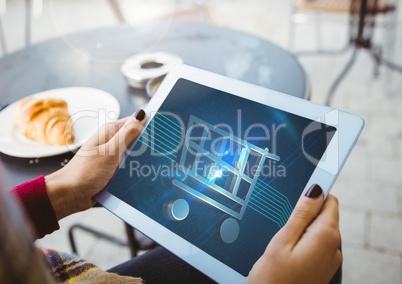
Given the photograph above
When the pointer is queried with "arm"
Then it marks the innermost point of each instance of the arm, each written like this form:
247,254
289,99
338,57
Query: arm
33,197
70,189
306,249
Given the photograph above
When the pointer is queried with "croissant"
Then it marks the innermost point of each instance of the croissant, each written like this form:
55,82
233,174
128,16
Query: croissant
45,120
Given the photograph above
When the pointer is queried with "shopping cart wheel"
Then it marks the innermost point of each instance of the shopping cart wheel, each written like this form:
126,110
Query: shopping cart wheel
229,230
178,210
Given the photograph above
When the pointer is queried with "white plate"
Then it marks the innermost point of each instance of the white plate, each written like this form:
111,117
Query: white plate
89,109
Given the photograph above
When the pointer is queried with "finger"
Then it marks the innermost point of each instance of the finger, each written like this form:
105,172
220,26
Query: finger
104,133
112,129
323,233
330,212
304,213
326,225
126,134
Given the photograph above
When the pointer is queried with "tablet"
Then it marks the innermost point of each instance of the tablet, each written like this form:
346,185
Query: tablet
220,165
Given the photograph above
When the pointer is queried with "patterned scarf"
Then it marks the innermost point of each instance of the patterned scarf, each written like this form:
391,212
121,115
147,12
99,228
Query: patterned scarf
65,268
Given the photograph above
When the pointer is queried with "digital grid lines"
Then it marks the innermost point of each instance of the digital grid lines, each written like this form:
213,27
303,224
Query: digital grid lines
270,203
163,136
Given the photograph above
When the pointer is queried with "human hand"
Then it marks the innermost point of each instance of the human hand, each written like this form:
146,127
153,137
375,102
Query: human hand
71,188
306,249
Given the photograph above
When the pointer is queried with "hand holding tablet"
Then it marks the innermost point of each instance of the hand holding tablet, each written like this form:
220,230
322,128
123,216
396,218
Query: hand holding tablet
307,246
71,188
221,165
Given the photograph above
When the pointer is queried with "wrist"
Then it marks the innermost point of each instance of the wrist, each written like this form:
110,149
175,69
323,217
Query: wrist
59,195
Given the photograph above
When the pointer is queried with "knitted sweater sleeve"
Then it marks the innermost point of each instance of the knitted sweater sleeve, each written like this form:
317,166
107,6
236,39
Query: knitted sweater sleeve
34,199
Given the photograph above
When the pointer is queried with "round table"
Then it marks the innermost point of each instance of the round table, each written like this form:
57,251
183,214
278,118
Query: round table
93,59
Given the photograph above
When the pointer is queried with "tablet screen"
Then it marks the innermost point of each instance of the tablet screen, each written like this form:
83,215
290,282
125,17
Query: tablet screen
221,171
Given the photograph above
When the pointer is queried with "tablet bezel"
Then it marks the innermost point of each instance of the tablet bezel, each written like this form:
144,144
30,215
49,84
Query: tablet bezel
348,127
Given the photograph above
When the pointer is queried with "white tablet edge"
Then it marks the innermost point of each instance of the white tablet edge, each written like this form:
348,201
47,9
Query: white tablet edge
348,128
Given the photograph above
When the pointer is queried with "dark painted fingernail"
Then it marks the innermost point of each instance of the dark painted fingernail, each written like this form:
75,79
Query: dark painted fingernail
139,115
314,191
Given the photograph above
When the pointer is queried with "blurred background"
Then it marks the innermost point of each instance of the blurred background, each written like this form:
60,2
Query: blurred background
370,186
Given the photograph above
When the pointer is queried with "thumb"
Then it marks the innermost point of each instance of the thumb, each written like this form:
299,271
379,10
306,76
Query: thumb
306,210
127,133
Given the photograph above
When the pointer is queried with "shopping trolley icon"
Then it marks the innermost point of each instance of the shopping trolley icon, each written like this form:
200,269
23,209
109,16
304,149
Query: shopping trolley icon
219,169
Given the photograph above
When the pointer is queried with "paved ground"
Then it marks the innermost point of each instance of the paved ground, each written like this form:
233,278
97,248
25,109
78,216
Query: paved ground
370,186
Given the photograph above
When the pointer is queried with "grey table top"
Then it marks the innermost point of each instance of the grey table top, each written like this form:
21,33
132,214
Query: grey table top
93,59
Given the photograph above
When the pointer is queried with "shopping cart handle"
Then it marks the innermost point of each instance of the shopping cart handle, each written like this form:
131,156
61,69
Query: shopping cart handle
273,157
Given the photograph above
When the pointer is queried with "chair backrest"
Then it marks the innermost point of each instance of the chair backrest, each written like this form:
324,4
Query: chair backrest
325,6
118,13
345,6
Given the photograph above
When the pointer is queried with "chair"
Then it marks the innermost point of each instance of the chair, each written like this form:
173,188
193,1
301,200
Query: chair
318,8
29,4
114,5
362,17
135,242
37,6
201,4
